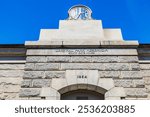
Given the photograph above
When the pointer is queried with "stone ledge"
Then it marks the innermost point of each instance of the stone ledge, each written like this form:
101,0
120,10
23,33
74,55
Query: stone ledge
81,43
119,43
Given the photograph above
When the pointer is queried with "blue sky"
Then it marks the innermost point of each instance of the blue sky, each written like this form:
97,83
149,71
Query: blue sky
21,20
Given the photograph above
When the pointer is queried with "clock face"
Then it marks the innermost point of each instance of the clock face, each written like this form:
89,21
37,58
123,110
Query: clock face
79,13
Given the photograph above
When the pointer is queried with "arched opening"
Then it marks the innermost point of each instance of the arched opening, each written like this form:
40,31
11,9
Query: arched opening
82,92
82,95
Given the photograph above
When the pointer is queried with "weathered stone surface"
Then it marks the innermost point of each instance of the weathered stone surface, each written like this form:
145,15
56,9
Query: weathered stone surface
37,83
135,66
33,74
9,96
59,83
147,80
29,66
11,81
43,44
107,84
36,59
58,59
117,66
82,66
131,74
49,92
145,66
123,83
138,83
136,92
105,59
146,73
41,66
81,43
82,59
64,52
116,92
147,88
129,83
26,83
11,66
109,74
11,88
55,74
128,59
11,73
29,92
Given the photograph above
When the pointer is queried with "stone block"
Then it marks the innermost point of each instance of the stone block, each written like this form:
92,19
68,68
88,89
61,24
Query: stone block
58,83
43,44
112,98
81,59
33,74
11,81
129,83
82,77
123,83
11,88
10,96
47,66
49,92
146,73
41,66
138,83
135,66
58,58
81,43
29,66
147,80
131,74
29,92
117,66
11,66
107,84
82,66
38,83
11,73
128,59
36,59
145,66
55,74
147,88
109,74
104,59
26,83
116,92
136,92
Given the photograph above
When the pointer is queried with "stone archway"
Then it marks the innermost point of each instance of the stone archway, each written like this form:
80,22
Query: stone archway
89,81
82,92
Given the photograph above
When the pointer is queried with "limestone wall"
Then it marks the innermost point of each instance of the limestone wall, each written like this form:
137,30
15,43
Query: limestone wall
10,80
42,67
145,68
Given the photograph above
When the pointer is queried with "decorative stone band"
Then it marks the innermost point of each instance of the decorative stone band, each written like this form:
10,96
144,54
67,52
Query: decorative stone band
81,44
69,52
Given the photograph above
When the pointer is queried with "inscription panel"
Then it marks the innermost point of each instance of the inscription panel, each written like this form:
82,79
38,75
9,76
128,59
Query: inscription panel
81,52
82,76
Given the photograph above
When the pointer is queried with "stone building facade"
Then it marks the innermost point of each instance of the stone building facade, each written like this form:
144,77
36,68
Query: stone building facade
80,60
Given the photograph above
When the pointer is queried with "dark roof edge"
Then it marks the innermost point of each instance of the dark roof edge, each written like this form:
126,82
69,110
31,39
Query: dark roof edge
12,46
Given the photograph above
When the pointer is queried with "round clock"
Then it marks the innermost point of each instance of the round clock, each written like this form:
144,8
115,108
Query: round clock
80,12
